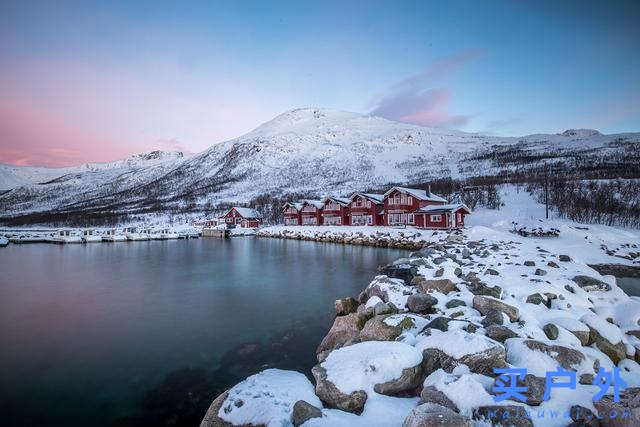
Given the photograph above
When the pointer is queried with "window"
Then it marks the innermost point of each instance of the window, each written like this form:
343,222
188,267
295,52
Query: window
369,219
309,208
436,218
368,203
410,219
309,220
409,200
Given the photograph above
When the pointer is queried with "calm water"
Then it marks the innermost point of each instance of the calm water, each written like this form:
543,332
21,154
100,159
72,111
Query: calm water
631,285
147,333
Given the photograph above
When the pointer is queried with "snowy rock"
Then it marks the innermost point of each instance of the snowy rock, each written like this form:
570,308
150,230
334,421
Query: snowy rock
266,398
629,403
441,323
606,337
390,290
421,303
211,418
384,308
577,328
492,272
536,299
500,333
529,263
455,303
505,416
431,394
440,285
351,373
493,317
583,417
539,357
345,331
345,306
377,330
484,303
432,414
304,411
540,272
589,284
564,258
405,272
479,288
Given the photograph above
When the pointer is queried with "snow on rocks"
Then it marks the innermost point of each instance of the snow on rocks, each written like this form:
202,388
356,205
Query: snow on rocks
266,398
350,374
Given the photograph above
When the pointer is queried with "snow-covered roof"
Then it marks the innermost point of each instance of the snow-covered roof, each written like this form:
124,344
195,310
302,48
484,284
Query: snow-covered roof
247,213
418,194
296,205
317,203
340,200
444,208
376,198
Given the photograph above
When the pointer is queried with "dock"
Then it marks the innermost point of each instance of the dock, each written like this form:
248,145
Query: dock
214,232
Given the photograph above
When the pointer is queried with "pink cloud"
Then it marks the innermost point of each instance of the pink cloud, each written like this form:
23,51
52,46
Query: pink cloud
412,100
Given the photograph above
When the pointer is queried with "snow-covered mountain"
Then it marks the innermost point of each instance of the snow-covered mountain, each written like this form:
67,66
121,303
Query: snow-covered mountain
301,151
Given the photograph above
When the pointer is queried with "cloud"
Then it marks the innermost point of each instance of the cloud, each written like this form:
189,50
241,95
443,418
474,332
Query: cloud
171,144
415,100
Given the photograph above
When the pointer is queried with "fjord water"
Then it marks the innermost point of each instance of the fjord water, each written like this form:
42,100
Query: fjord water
147,333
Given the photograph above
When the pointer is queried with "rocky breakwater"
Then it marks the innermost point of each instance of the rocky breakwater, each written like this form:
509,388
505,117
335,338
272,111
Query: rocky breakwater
412,240
419,346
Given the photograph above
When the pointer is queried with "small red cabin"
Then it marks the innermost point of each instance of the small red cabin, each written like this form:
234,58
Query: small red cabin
292,213
243,217
311,212
335,211
366,209
441,216
400,204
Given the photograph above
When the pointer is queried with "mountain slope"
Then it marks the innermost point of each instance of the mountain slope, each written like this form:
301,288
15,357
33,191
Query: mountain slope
303,151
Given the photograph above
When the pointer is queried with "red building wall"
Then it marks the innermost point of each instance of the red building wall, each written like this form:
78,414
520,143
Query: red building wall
342,212
373,210
316,213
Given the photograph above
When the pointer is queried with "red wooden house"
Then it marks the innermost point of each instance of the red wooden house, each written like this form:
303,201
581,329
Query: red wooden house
400,204
366,209
311,212
242,217
292,213
335,211
441,216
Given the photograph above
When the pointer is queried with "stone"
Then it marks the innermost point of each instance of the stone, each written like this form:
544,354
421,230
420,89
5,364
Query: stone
455,303
333,397
589,284
565,356
500,333
466,253
211,418
303,412
383,308
457,272
410,379
344,331
616,352
564,258
485,361
376,330
484,303
430,394
530,263
405,272
493,317
440,285
535,389
586,379
536,299
582,416
551,331
552,264
441,323
432,414
471,328
540,272
492,272
479,288
439,260
505,416
439,272
345,306
629,404
421,303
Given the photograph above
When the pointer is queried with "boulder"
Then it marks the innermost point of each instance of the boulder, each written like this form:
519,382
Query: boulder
529,263
377,330
552,264
441,323
616,352
629,405
583,417
211,418
304,411
345,331
564,258
421,303
535,389
345,306
493,317
536,299
589,284
405,272
484,303
431,415
410,379
540,272
384,308
455,303
551,331
440,285
505,416
565,356
333,397
485,361
479,288
500,333
491,272
430,394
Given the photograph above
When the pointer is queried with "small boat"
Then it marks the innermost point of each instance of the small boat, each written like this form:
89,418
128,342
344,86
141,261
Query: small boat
113,236
90,236
66,236
132,234
3,241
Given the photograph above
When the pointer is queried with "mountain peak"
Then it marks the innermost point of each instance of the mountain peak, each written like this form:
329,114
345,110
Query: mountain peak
581,133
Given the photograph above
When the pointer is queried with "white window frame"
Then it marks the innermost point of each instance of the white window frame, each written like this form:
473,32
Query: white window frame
369,219
411,219
435,218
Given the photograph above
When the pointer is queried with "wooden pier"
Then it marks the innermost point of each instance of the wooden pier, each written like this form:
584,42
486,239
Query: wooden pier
213,232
